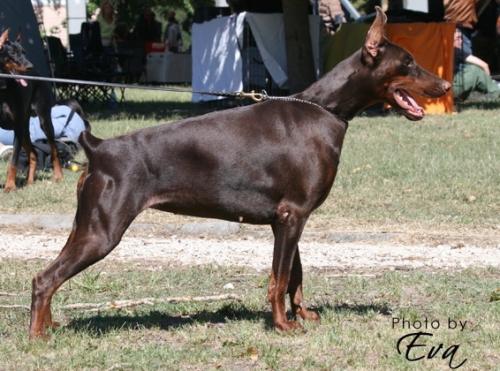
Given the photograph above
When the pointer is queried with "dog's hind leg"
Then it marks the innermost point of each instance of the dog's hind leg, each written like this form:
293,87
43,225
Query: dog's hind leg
43,110
287,230
56,163
295,291
104,213
32,160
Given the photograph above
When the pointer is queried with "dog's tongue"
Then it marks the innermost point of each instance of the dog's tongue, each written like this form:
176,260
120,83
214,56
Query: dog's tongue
407,102
22,82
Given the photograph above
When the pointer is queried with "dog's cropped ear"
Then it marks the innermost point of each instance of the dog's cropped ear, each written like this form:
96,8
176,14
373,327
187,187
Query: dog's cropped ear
19,37
375,37
4,38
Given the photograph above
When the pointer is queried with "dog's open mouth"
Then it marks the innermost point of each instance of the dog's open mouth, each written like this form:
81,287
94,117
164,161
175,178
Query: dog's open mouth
410,107
21,82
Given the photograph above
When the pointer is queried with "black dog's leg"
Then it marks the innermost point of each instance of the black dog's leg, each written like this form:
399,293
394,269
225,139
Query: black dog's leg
43,108
21,140
7,117
32,159
287,230
10,183
295,291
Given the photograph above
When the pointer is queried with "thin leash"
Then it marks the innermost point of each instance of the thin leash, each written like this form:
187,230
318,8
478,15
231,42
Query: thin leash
252,95
255,96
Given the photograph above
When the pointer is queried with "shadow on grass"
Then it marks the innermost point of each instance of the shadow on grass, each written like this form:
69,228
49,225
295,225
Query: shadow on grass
101,324
360,309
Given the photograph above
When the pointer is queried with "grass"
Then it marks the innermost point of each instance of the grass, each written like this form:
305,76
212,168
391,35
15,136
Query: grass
438,173
356,329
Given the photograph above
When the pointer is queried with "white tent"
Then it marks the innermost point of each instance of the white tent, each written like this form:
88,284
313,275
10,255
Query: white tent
19,17
217,50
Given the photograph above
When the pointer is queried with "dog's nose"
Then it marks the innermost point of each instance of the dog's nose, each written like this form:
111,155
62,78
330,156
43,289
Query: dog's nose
446,85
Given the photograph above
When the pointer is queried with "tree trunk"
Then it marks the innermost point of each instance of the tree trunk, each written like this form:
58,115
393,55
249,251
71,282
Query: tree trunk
299,53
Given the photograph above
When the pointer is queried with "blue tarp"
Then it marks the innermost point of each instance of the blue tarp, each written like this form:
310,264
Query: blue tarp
60,116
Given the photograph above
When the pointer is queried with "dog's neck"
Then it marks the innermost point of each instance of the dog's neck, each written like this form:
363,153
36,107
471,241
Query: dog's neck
345,90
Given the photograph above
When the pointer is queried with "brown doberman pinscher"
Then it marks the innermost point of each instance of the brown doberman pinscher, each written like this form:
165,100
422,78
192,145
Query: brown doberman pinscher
269,163
17,99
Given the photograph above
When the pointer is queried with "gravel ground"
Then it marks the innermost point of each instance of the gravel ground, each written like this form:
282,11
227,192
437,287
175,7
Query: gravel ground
28,236
257,253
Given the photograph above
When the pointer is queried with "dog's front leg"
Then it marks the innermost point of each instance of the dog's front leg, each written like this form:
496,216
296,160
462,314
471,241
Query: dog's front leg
287,230
10,182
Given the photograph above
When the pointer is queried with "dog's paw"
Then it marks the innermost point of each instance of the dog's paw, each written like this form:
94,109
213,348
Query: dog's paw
308,315
38,334
54,325
9,188
287,326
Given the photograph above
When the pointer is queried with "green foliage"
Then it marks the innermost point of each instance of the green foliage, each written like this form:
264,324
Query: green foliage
92,6
365,6
128,10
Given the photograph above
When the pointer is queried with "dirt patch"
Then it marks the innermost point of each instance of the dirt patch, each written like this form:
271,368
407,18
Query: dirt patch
165,225
257,253
199,241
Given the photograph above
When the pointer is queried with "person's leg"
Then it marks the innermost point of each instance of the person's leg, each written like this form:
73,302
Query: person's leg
473,78
484,83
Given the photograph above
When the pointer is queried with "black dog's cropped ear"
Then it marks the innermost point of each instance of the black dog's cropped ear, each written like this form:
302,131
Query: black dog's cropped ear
375,36
19,37
4,38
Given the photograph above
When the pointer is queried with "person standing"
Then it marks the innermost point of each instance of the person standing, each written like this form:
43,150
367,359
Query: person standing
147,29
463,13
173,34
107,24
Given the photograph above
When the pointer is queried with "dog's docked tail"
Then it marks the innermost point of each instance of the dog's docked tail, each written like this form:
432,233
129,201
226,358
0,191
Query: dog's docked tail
89,143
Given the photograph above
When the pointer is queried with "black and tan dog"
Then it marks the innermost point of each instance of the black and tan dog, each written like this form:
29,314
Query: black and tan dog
17,100
269,163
